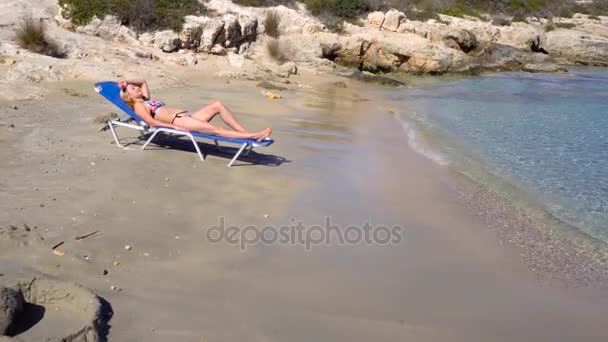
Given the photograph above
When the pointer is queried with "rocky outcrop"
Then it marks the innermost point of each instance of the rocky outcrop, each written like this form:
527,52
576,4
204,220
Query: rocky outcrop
375,19
199,34
390,21
108,28
576,46
211,28
463,40
390,54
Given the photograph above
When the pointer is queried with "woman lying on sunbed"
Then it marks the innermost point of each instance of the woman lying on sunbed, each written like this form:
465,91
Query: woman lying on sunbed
136,94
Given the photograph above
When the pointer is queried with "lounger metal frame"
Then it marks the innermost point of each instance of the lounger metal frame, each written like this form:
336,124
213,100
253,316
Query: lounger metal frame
246,145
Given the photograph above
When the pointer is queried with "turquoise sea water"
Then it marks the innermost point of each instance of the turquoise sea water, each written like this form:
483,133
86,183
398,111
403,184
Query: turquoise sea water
545,135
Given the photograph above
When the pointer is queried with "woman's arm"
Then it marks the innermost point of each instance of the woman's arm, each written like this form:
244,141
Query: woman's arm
143,112
143,84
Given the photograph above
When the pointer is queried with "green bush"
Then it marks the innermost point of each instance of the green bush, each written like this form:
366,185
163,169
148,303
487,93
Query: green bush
271,24
31,35
453,12
339,8
141,15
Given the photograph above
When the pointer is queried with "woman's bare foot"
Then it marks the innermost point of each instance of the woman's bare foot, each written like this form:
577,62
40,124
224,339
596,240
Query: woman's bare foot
263,134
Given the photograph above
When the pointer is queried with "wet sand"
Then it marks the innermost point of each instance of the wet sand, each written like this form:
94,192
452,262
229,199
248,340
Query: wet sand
339,154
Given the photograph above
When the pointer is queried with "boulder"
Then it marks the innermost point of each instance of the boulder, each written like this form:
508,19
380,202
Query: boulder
375,19
392,20
249,28
432,61
218,49
576,46
380,59
190,36
167,40
232,30
11,304
288,68
464,39
212,29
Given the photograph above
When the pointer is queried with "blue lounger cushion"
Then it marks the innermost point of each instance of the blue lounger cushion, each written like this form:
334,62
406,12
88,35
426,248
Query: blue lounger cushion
111,91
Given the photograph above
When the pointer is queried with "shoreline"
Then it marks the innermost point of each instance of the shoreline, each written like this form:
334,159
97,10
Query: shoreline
555,250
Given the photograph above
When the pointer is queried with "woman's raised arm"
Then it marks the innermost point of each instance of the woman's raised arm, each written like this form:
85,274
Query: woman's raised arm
143,84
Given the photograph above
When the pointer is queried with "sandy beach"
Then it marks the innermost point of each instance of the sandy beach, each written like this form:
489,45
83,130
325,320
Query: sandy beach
339,154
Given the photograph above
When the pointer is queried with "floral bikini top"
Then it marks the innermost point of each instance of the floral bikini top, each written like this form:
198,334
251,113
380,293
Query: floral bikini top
154,105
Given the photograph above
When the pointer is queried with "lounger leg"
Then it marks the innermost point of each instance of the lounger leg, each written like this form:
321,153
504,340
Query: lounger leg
150,139
237,154
247,150
219,147
200,155
114,134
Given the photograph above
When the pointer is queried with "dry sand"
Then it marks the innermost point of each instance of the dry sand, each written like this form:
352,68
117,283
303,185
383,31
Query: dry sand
339,154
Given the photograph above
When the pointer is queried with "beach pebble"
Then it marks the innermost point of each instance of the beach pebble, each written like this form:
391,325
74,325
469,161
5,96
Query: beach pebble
116,263
104,272
113,288
266,216
92,163
15,107
167,179
128,247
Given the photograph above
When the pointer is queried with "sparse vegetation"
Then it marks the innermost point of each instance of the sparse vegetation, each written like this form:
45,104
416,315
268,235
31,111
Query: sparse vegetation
339,8
565,25
271,24
31,35
334,24
276,50
593,17
549,27
427,9
141,15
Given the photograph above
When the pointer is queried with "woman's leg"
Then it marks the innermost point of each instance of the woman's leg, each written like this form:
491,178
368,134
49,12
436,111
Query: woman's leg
210,111
196,125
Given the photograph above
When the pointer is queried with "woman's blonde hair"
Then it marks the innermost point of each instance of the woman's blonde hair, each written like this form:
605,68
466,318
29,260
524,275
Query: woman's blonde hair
125,97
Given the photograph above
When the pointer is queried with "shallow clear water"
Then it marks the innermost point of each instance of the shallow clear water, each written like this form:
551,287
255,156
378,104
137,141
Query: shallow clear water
547,135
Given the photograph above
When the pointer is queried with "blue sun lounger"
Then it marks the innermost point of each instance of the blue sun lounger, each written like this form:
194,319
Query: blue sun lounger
111,91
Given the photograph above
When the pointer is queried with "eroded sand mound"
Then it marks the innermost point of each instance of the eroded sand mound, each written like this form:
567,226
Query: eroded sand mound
56,311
